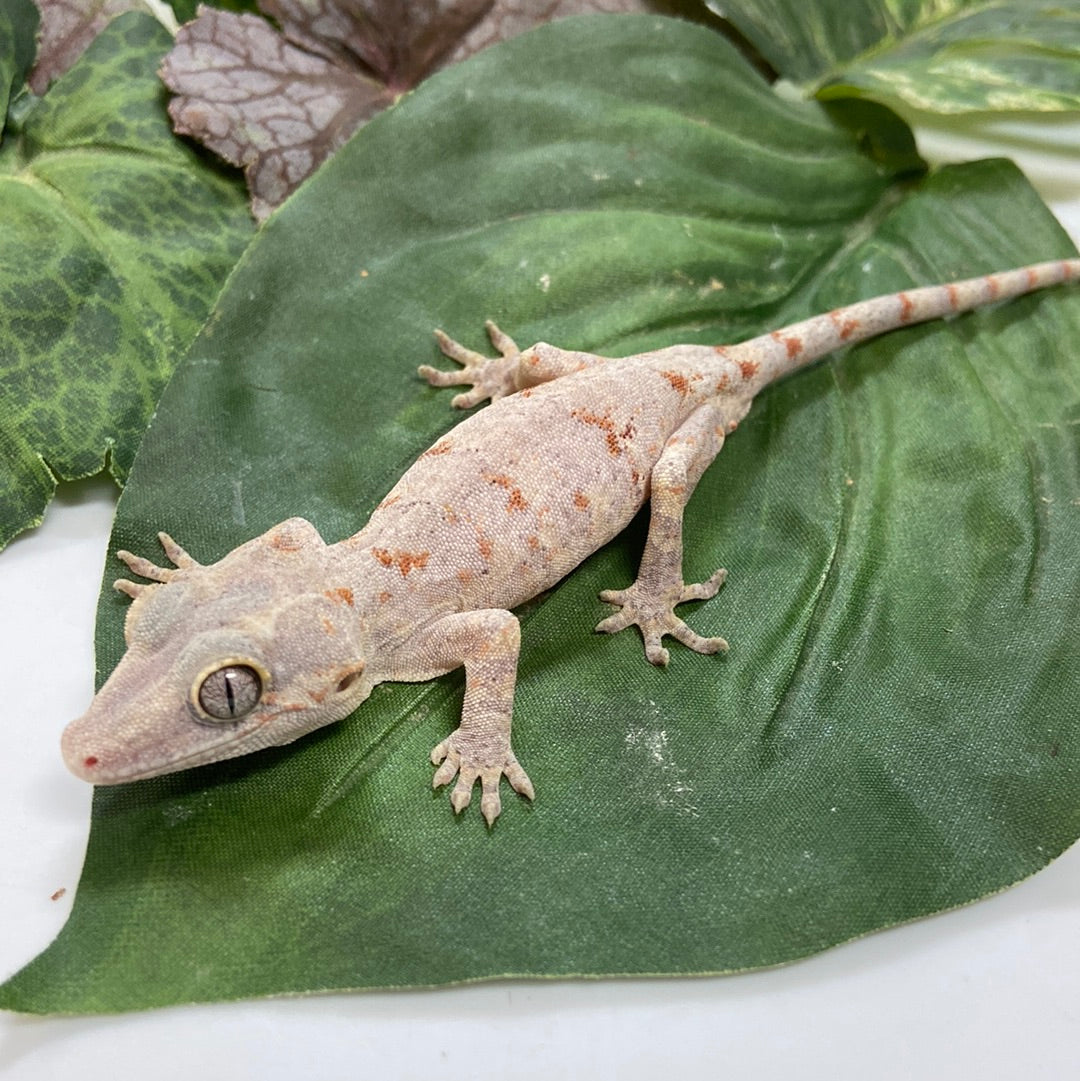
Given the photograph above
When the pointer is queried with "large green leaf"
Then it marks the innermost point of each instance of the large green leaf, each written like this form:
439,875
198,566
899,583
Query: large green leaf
893,732
115,240
947,56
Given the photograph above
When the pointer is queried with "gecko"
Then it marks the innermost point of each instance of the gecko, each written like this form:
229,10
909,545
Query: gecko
287,633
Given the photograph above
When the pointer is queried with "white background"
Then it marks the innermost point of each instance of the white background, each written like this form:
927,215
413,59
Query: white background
991,991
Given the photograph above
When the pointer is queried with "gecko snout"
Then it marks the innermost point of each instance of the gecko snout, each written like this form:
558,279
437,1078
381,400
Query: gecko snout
79,758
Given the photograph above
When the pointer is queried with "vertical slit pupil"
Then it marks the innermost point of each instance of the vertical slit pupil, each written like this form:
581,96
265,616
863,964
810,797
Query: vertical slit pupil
231,692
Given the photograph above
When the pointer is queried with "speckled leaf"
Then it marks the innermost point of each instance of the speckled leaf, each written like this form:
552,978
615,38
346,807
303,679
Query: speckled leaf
947,56
67,28
18,24
115,240
893,731
279,104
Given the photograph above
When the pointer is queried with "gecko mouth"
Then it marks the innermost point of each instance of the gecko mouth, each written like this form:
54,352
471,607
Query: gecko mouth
124,764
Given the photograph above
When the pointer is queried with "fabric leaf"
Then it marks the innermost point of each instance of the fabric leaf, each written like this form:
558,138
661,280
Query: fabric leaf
893,732
67,28
279,104
18,23
948,56
116,239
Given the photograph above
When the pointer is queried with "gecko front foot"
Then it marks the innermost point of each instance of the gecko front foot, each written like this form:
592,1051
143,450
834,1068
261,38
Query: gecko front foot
489,377
471,757
654,612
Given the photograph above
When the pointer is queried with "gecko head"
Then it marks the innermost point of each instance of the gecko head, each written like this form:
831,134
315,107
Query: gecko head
250,652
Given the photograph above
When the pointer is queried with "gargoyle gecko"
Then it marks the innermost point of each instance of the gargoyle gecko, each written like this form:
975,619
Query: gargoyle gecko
287,633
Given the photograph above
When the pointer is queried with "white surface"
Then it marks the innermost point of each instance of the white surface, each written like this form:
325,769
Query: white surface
989,992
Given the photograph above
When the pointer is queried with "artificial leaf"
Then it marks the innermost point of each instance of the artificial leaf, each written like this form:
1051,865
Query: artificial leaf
279,104
116,239
893,731
18,24
67,28
947,56
263,103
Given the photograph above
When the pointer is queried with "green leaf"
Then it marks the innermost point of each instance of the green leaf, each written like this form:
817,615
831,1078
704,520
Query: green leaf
893,732
18,24
949,56
116,239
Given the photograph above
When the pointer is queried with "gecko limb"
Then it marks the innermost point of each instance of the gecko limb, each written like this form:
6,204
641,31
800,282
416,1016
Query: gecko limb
650,602
506,374
489,377
486,642
145,569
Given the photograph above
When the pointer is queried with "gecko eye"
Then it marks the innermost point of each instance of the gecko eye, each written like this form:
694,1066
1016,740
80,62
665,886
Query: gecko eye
229,692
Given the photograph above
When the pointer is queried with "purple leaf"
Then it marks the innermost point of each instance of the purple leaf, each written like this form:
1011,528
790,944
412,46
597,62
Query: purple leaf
279,104
263,103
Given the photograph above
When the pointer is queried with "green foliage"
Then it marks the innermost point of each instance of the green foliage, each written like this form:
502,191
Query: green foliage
18,24
893,732
116,239
947,56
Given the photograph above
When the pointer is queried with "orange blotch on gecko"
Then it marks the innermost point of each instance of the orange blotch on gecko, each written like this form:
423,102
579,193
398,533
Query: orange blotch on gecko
606,425
443,447
283,543
516,500
404,561
341,595
845,327
678,381
792,344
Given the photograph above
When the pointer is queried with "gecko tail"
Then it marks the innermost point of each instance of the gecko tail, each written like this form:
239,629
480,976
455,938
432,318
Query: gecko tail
783,351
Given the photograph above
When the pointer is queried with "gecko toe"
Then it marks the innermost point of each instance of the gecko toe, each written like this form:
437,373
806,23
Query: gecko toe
469,398
615,623
703,591
461,796
456,351
519,779
502,341
490,804
656,653
444,774
692,640
438,378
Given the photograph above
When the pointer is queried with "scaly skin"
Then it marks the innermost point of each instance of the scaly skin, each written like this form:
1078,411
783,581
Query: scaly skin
286,633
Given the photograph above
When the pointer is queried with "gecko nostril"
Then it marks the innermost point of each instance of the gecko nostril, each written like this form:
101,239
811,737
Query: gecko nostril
90,761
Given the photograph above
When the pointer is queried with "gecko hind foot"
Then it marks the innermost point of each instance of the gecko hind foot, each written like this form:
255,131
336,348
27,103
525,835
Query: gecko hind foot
654,613
471,761
489,377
